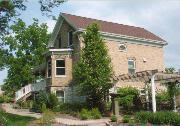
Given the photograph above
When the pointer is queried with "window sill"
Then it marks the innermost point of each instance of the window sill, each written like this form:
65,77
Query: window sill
60,75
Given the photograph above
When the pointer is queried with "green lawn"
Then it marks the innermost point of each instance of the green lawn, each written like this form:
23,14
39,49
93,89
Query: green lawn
16,120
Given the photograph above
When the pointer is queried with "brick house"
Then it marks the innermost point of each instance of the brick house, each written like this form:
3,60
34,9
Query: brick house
130,48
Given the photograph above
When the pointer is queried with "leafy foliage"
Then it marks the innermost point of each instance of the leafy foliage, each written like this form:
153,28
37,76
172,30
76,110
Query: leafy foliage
11,9
113,118
47,118
45,100
163,100
127,97
24,51
93,71
162,118
90,114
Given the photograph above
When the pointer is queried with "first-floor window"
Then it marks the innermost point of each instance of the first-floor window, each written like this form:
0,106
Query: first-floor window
131,66
60,67
49,69
60,95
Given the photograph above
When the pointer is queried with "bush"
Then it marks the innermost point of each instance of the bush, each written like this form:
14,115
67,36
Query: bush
44,98
47,118
160,118
84,114
69,107
90,114
95,113
127,97
113,118
126,119
163,100
5,98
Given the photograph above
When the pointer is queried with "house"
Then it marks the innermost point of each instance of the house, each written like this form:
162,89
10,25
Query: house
130,48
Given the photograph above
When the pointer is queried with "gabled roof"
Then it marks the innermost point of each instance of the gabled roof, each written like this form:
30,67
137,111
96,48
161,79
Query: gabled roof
109,27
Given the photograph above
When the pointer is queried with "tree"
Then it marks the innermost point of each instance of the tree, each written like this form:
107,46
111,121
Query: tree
172,88
93,71
10,10
24,49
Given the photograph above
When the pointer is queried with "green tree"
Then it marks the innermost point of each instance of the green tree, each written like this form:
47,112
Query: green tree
11,9
24,49
93,71
172,88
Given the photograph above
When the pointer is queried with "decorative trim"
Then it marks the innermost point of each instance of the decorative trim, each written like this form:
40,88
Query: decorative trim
119,37
61,50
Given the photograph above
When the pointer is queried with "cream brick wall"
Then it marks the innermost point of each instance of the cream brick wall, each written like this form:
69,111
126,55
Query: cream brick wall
62,80
153,55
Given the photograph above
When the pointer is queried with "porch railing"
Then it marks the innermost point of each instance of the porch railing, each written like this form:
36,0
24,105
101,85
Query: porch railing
29,89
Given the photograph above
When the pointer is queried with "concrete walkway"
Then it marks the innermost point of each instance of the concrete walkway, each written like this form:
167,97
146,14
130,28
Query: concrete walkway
58,121
23,112
70,122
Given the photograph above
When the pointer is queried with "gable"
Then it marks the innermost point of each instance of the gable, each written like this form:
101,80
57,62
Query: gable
61,29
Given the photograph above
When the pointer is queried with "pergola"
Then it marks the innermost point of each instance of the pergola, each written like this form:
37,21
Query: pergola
149,76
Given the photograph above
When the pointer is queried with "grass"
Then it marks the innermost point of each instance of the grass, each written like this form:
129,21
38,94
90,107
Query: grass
16,120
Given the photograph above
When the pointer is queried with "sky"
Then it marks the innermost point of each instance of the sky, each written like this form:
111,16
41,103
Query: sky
161,17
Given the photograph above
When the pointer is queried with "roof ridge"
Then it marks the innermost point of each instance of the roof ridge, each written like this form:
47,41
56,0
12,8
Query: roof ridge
101,20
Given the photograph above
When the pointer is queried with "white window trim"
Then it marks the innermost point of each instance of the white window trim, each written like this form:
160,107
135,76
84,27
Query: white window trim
134,64
60,67
48,68
123,45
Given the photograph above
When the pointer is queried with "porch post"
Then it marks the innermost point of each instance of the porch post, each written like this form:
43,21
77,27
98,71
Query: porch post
147,95
153,93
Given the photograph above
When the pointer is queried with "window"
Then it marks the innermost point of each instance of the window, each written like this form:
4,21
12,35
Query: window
60,95
59,44
122,47
60,67
131,66
49,69
70,38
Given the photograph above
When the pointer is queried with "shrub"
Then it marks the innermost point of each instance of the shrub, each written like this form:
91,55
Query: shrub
90,114
95,113
84,114
165,117
48,99
113,118
163,100
47,118
126,119
69,107
127,97
5,98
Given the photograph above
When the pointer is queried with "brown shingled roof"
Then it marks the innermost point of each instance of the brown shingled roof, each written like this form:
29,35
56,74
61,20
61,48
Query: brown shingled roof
83,22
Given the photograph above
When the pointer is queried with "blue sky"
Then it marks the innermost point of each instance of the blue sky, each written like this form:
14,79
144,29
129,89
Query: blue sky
161,17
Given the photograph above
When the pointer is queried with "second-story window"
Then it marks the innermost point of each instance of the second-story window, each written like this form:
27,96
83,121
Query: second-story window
49,68
131,66
70,38
60,67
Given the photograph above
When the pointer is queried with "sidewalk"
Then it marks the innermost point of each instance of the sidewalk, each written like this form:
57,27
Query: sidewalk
23,112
